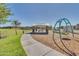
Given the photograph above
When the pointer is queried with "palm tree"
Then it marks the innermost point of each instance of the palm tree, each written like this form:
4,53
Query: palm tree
16,24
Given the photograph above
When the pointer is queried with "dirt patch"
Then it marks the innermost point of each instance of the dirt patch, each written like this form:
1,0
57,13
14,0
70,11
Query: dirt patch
71,44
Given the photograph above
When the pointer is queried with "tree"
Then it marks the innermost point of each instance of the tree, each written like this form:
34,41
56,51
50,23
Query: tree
16,24
4,14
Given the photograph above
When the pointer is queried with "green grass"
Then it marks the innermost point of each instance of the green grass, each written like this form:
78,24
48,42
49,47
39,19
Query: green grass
11,45
64,33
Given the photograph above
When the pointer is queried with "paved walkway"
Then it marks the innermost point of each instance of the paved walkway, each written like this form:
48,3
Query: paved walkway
35,48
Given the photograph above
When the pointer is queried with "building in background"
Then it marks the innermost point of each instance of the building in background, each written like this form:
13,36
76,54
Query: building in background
77,26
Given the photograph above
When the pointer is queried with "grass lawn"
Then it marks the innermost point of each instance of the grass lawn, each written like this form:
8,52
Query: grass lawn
10,45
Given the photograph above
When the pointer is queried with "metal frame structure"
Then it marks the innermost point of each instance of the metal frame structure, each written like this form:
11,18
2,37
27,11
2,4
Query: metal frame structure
59,22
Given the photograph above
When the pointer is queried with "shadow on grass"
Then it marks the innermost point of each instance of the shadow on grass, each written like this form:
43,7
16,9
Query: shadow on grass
3,37
37,33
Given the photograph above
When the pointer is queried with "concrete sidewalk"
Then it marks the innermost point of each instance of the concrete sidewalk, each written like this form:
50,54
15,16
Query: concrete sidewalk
35,48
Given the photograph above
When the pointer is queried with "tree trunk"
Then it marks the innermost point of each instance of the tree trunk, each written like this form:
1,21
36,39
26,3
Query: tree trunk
0,33
16,31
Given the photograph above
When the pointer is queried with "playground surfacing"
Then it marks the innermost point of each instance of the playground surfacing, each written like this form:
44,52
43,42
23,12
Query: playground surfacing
47,39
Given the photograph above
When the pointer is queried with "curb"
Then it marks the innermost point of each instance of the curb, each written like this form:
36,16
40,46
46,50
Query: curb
35,48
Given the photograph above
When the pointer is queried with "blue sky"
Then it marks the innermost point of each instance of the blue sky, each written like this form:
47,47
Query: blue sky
29,14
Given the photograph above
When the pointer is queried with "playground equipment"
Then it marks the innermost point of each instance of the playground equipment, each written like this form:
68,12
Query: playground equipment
65,32
40,28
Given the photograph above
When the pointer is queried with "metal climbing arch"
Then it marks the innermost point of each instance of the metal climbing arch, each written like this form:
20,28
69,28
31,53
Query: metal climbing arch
59,22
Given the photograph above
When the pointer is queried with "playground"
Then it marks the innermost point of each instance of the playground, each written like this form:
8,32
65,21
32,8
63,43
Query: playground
66,41
47,40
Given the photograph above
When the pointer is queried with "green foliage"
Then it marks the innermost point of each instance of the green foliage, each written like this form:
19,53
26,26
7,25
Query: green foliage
16,23
65,33
4,13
